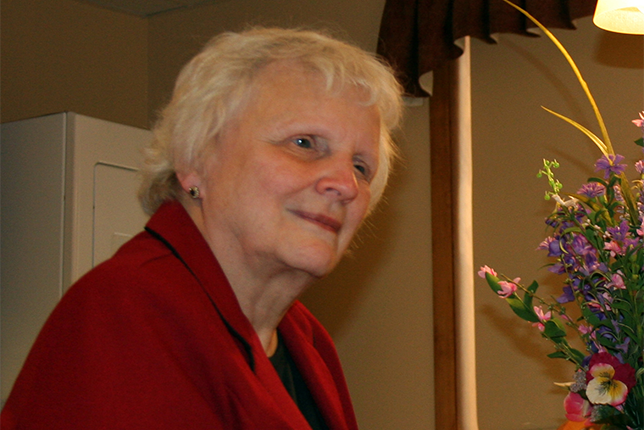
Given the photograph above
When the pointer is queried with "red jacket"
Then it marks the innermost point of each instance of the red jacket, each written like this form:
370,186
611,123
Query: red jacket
154,338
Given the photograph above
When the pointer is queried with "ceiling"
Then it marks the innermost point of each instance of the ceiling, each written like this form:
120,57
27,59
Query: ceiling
145,8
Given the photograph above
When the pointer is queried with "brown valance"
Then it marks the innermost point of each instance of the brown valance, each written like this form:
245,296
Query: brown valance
418,36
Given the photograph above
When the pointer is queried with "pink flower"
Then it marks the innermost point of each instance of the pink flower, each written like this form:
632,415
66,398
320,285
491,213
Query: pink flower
639,166
640,122
609,380
486,269
614,248
617,281
577,408
640,230
542,318
508,288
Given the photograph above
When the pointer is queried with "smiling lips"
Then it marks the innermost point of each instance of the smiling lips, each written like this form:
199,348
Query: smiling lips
323,221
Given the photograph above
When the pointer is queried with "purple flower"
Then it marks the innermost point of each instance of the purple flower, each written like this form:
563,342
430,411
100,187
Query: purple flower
567,296
610,164
592,190
623,347
620,232
552,245
630,242
580,245
590,261
557,269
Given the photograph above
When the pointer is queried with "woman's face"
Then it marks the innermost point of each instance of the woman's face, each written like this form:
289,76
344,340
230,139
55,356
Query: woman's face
287,184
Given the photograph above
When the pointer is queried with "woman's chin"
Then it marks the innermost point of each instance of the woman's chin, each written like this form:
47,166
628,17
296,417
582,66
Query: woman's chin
316,261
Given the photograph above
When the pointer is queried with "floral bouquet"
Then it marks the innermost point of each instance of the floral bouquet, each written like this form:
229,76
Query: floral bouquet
597,244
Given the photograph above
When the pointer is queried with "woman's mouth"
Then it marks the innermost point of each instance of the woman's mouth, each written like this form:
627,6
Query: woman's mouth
326,222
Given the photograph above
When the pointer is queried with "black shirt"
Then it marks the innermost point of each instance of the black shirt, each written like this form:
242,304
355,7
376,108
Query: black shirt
295,385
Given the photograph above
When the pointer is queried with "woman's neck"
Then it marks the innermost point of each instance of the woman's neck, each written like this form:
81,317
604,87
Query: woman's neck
265,289
266,300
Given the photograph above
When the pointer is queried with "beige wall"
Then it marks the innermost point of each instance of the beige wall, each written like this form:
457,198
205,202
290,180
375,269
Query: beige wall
512,134
64,55
175,37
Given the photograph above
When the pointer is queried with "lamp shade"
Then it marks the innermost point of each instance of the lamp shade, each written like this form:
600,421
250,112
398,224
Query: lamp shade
620,16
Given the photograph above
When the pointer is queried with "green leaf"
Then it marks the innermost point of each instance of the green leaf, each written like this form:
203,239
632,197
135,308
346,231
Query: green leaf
573,355
553,331
622,305
558,354
493,282
628,331
640,141
522,311
605,414
577,355
606,342
527,297
590,317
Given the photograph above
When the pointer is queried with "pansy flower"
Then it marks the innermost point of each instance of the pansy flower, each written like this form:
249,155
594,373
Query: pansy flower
609,380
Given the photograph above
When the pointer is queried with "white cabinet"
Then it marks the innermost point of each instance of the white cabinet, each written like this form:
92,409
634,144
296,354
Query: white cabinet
68,187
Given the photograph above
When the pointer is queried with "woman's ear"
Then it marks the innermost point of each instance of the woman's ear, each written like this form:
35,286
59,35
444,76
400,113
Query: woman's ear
190,183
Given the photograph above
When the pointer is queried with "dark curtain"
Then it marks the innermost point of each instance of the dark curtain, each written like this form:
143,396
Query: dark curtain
418,36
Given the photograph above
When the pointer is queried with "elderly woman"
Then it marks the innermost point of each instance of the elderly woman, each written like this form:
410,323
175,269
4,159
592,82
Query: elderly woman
275,146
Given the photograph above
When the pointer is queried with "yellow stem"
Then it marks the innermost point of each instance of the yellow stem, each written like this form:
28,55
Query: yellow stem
575,69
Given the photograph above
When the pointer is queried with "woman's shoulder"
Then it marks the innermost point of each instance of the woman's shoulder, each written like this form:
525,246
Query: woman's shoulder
141,267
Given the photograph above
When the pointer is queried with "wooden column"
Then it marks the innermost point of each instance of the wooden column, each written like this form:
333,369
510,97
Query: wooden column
442,154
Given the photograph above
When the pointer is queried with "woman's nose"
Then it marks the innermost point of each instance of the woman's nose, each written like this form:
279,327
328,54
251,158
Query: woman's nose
339,180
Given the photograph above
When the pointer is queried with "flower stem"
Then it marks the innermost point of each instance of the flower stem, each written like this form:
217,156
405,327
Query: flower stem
575,69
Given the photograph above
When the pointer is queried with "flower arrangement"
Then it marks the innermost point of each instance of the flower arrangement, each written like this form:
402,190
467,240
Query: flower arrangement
597,244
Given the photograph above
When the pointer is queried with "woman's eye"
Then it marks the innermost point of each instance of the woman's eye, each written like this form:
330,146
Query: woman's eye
362,169
303,142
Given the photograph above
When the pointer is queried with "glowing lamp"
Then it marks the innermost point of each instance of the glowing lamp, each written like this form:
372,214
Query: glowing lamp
620,16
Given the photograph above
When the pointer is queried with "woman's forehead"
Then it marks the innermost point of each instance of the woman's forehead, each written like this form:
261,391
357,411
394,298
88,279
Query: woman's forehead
280,73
